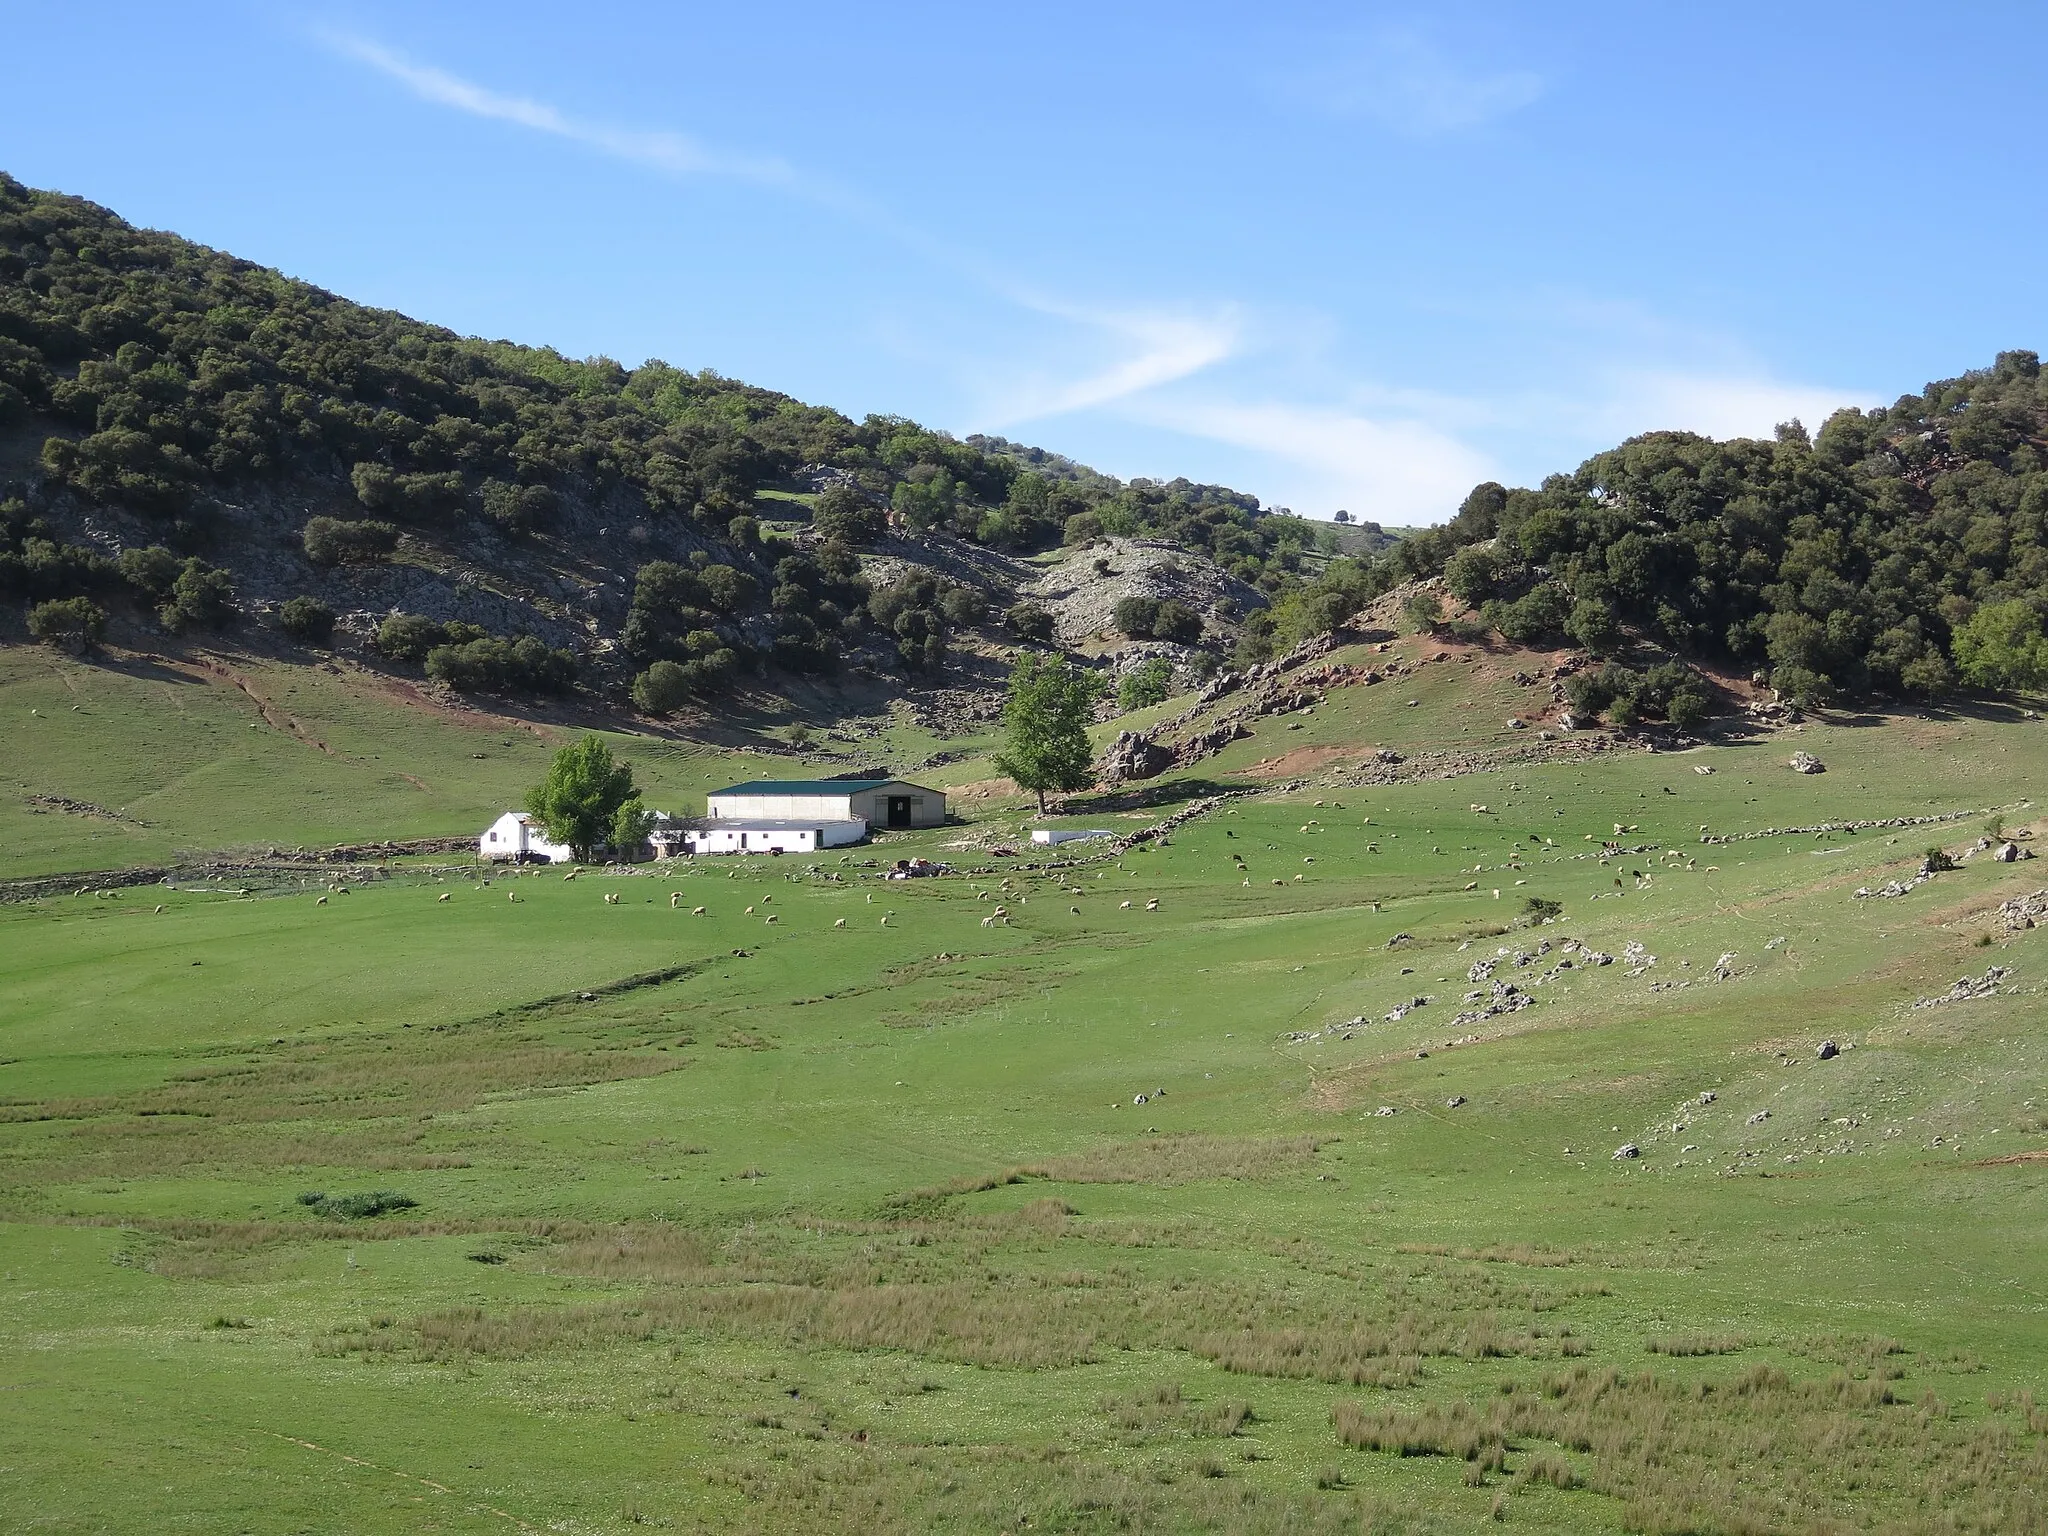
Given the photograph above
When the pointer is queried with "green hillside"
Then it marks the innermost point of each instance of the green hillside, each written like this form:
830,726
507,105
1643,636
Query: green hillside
721,1223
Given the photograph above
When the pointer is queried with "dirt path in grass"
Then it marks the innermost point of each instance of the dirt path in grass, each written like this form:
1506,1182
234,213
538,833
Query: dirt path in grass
424,1482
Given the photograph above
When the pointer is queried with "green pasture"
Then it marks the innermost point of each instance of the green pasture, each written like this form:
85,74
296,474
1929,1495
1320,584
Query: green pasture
726,1224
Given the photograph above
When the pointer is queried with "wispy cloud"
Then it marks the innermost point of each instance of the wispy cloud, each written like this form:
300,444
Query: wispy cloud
1148,349
1388,469
673,154
1408,83
1714,404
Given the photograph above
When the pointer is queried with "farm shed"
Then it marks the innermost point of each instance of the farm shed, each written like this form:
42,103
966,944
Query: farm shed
878,802
521,839
763,834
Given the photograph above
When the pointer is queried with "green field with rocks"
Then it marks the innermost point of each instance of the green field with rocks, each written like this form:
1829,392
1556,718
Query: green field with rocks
1562,1141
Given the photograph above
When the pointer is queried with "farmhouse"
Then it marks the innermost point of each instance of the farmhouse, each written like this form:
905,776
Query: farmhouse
877,802
520,838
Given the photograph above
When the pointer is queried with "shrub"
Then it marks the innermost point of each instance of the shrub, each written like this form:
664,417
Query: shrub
408,637
150,571
1029,623
842,512
332,541
1176,623
1135,615
1424,611
1593,626
491,665
518,509
307,619
963,605
75,623
728,587
375,1202
662,689
1148,683
201,598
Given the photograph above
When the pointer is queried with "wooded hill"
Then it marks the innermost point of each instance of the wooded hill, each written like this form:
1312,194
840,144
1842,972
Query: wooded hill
191,438
155,394
1900,550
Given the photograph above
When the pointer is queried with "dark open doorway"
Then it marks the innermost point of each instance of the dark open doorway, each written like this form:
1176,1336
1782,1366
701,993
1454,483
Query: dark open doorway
899,810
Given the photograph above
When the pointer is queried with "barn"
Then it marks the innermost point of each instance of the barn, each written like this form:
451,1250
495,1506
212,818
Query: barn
521,839
881,803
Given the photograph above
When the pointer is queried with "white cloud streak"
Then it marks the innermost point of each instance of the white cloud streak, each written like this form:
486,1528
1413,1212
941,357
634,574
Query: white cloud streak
673,154
1408,84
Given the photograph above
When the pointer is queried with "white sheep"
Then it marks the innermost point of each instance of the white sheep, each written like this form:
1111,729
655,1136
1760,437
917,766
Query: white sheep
696,911
442,897
319,903
841,923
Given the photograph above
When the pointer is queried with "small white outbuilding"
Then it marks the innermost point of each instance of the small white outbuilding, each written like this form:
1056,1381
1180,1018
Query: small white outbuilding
519,838
876,802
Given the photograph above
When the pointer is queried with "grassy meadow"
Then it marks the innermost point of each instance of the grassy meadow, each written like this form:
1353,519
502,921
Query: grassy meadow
1103,1214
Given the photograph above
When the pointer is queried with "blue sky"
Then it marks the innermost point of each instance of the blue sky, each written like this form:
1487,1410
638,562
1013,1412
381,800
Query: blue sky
1352,256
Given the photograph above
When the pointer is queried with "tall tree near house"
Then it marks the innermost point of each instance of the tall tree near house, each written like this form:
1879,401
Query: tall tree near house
580,798
1046,717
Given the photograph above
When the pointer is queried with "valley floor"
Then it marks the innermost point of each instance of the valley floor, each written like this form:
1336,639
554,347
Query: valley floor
1162,1206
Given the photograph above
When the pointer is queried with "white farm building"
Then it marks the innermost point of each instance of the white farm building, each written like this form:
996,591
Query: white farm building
761,834
877,802
521,839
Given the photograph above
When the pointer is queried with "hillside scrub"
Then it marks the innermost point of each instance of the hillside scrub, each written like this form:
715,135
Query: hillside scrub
168,378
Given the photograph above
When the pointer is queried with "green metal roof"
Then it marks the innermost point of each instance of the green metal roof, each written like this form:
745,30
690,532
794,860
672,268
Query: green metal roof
806,786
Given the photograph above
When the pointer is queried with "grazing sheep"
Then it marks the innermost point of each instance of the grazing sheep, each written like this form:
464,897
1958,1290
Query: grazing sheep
611,898
319,903
773,918
675,900
841,923
511,895
1123,906
1153,905
570,876
750,911
1075,910
159,909
442,897
988,922
696,911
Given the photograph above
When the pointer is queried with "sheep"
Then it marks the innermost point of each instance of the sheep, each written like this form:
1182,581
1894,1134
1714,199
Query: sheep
773,918
321,902
611,898
1123,906
1075,910
675,900
841,923
988,922
570,876
1153,905
159,909
512,896
442,897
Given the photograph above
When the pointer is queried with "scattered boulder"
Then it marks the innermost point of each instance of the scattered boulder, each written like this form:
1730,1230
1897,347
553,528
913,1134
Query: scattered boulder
1133,755
1454,1101
1806,762
1626,1152
1827,1050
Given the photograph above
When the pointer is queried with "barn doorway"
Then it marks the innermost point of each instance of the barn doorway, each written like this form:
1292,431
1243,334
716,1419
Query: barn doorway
899,810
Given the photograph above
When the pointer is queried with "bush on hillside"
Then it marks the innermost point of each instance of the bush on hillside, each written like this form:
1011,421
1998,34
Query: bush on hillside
492,665
203,597
1149,682
408,637
76,623
1029,623
333,541
307,620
